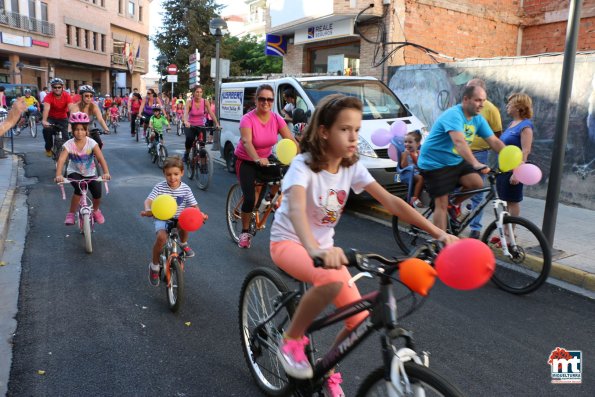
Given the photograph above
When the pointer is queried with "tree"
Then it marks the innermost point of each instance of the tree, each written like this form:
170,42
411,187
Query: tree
248,58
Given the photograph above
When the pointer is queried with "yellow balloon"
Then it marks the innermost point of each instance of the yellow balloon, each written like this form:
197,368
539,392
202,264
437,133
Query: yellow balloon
509,158
286,150
164,207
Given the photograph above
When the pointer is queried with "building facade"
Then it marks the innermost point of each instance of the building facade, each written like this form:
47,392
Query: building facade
324,38
103,43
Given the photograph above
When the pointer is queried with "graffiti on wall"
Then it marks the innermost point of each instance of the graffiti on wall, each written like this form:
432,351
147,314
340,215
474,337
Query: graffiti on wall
428,90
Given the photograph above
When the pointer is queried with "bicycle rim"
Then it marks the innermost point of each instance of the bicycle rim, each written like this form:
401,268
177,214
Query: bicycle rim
407,236
204,168
33,127
87,233
161,156
175,288
192,164
233,212
423,382
261,293
528,265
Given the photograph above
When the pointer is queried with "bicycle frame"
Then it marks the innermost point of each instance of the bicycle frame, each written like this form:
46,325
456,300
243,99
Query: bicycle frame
85,208
170,249
260,221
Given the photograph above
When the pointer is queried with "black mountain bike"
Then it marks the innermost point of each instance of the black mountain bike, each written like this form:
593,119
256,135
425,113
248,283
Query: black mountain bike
267,306
200,162
523,254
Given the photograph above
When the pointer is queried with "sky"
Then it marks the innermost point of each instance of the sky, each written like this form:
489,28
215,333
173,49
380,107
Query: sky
231,7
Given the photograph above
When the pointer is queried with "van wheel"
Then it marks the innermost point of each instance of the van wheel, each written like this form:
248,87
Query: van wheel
230,159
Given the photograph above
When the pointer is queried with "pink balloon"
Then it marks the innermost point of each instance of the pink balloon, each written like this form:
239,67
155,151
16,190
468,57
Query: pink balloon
398,128
392,152
528,174
381,137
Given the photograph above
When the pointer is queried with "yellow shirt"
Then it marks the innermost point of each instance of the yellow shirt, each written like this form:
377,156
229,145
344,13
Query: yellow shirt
492,115
30,101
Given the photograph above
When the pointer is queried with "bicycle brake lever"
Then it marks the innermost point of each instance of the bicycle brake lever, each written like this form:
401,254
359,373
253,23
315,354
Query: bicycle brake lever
354,279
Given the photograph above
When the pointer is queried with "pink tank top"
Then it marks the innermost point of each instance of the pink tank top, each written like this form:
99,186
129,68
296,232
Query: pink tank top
197,114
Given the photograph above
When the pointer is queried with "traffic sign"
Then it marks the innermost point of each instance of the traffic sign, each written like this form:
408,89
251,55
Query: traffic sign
172,69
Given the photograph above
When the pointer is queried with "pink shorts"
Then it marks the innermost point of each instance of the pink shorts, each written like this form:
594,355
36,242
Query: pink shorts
294,260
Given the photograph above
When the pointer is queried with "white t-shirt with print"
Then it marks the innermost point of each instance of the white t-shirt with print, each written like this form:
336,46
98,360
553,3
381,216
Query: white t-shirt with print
326,195
81,161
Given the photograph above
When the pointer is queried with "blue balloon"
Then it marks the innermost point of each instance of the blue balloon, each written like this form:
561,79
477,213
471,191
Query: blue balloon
32,108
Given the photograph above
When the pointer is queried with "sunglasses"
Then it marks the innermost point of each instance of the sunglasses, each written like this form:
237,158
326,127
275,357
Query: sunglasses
87,96
263,99
57,87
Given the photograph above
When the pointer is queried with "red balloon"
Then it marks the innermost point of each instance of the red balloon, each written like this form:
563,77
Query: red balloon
190,219
465,264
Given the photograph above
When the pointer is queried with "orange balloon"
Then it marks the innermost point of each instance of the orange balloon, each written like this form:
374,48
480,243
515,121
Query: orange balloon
417,275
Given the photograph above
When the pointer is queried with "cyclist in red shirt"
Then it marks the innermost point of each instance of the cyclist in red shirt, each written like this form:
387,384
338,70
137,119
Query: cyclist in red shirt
55,111
107,103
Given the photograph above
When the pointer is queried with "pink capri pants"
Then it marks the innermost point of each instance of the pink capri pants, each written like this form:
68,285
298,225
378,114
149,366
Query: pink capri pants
293,259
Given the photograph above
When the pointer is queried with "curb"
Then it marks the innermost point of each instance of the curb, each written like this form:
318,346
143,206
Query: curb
561,272
8,202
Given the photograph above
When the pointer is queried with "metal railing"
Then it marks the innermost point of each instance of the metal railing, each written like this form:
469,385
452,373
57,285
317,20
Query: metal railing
19,21
119,59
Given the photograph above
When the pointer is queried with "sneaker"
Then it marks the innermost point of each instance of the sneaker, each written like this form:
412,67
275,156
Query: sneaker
48,153
245,240
332,386
474,234
153,275
187,251
293,358
495,241
98,217
69,219
416,203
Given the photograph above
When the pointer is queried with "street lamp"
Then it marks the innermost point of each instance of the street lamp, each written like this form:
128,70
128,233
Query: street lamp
217,27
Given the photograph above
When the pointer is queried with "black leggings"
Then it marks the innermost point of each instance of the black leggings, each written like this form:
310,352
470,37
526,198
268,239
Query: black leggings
248,173
133,117
48,133
191,134
93,186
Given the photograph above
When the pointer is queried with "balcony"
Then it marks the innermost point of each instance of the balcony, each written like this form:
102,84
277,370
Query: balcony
118,60
19,21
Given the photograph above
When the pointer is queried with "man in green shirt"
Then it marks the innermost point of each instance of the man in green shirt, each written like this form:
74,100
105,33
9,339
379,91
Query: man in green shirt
481,150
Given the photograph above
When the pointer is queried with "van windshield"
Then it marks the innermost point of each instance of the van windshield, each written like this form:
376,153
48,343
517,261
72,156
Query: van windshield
378,100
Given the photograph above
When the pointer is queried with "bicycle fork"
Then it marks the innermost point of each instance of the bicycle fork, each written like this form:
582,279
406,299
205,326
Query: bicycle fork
395,360
500,214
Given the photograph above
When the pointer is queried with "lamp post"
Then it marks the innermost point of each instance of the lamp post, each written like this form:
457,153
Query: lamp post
217,27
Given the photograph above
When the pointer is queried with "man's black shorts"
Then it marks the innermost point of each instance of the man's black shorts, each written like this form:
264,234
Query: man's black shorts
444,180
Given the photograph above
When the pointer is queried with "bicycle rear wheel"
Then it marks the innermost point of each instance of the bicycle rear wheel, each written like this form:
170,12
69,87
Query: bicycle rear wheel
423,381
174,289
180,128
407,236
115,125
204,168
233,212
191,163
87,233
530,260
262,292
161,156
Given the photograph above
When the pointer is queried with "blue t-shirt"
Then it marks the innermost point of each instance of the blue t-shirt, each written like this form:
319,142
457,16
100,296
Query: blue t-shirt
438,150
512,135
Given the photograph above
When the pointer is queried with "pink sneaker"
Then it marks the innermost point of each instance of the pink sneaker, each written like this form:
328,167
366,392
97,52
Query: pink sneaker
245,240
293,358
98,217
332,386
69,219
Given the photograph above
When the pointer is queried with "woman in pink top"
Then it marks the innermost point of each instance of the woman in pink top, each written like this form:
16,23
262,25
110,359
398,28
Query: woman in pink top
259,129
195,116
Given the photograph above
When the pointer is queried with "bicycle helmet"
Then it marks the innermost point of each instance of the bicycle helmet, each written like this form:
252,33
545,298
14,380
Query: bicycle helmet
27,91
79,118
86,89
56,81
156,107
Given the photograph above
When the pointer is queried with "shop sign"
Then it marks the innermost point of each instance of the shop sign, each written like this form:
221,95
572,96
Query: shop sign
232,103
13,39
324,31
40,43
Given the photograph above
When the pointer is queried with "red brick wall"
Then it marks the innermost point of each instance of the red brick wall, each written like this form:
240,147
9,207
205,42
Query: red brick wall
551,37
460,33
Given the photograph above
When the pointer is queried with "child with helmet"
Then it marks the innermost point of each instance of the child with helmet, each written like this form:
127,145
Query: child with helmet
157,122
81,151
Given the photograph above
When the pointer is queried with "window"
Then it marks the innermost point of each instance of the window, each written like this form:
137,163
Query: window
68,35
14,6
77,37
32,9
95,41
140,13
131,8
102,43
87,41
44,12
120,6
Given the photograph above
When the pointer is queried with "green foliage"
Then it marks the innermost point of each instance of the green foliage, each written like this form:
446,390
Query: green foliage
248,58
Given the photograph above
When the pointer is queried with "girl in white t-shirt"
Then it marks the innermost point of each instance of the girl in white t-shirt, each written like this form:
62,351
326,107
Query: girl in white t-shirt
315,190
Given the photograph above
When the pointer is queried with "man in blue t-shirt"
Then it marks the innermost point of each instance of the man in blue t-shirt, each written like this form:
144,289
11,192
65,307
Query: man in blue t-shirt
446,160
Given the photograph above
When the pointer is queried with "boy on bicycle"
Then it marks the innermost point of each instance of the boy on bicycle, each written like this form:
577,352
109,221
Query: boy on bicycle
156,123
114,113
173,170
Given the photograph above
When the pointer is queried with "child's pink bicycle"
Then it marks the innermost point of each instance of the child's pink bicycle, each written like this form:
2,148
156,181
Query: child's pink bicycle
84,214
113,122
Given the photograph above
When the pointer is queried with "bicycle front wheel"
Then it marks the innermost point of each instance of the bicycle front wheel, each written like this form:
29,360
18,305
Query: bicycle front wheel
422,380
33,126
191,162
407,236
87,233
233,212
175,287
204,168
530,258
161,156
261,294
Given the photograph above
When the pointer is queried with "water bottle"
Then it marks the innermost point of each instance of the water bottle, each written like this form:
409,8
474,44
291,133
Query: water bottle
264,204
466,208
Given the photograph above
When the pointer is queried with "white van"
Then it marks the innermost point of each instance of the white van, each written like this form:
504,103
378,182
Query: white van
381,108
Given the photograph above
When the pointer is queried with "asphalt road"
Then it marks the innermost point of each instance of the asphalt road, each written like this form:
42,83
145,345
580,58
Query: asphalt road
96,327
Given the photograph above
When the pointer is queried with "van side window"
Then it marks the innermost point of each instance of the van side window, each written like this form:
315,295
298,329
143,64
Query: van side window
249,99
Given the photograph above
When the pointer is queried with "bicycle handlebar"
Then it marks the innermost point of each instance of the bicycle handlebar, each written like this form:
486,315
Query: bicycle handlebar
79,181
